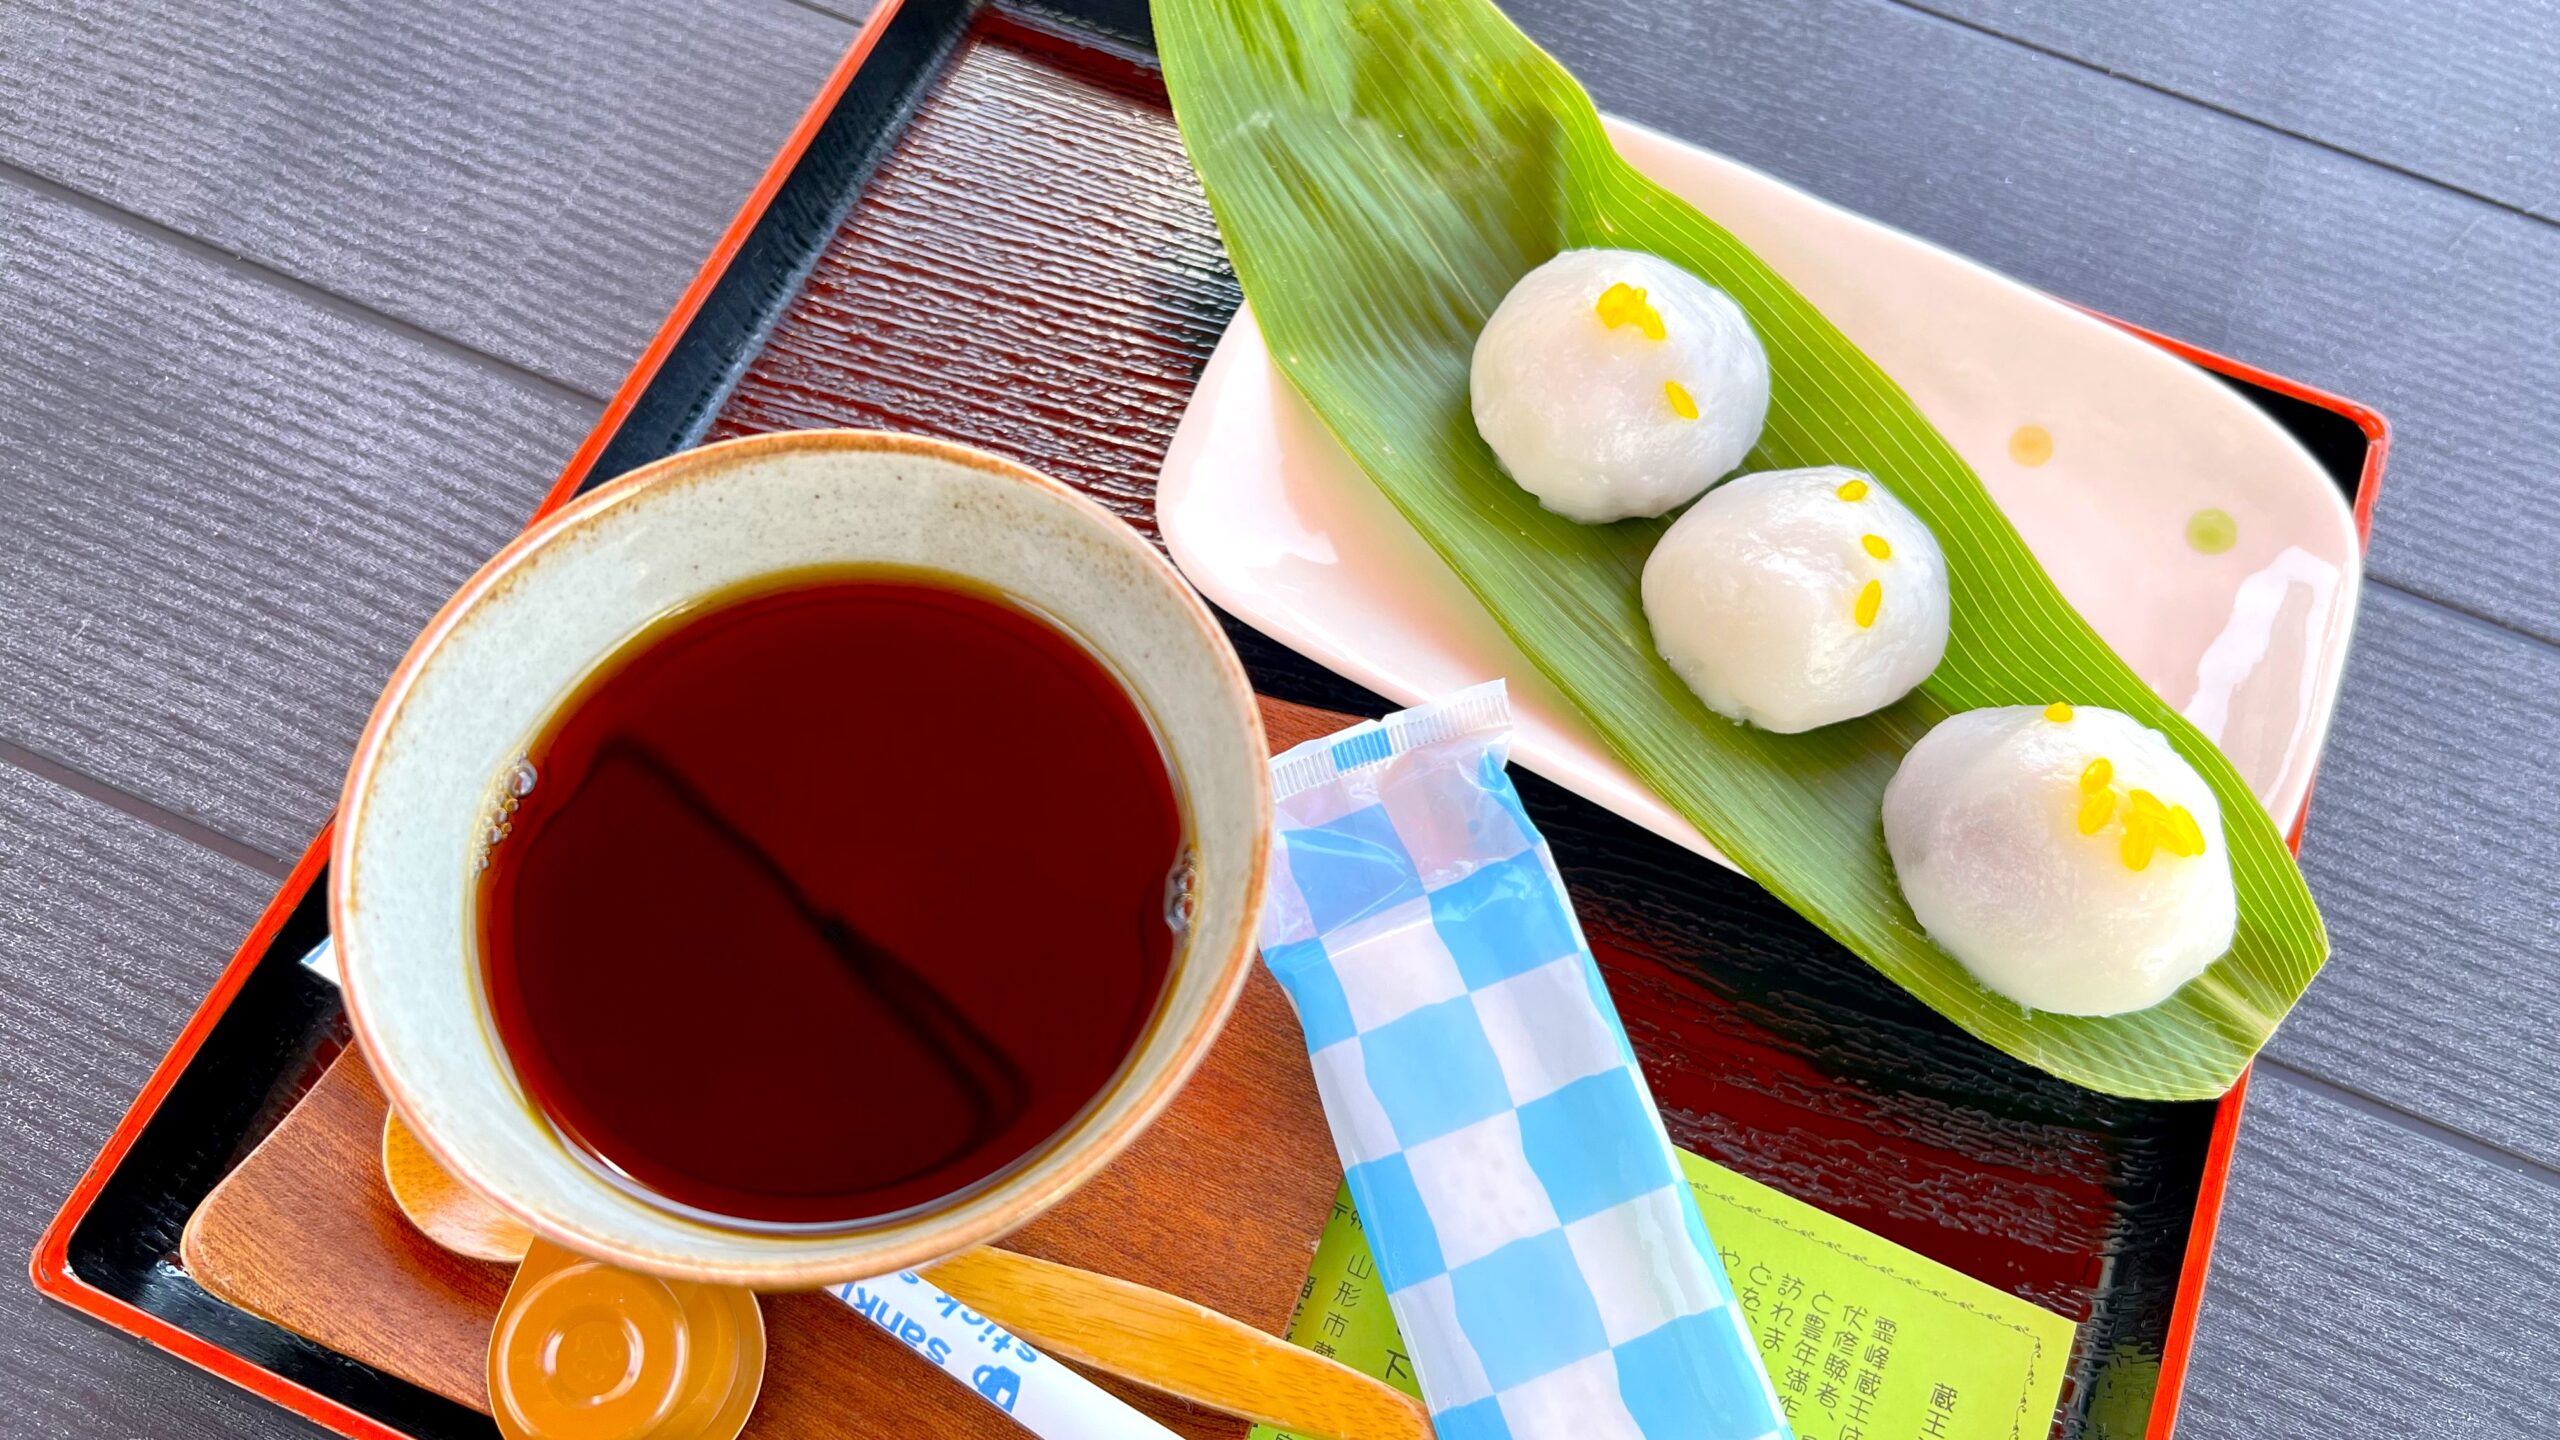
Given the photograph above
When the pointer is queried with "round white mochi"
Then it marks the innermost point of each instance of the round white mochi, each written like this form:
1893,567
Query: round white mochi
1575,408
1753,599
1983,823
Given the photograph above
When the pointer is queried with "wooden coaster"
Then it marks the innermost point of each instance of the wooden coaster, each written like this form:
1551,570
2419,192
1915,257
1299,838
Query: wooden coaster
1220,1202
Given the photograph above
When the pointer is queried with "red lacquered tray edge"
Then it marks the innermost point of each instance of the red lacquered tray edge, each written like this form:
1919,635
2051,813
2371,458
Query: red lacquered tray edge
50,1267
2202,1231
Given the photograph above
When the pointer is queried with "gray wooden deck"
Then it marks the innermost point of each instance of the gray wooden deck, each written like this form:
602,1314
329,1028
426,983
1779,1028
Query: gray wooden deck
302,302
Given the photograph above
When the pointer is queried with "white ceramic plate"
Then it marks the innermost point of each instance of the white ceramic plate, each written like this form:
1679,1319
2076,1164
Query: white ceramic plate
1271,519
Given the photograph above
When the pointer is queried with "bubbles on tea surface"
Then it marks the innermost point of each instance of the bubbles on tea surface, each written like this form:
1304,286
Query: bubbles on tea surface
513,785
1182,892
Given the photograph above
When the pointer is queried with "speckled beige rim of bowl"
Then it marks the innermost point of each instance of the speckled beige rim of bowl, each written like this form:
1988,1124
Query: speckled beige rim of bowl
523,632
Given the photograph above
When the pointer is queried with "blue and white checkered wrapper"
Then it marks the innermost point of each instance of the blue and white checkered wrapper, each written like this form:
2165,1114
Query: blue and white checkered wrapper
1545,1263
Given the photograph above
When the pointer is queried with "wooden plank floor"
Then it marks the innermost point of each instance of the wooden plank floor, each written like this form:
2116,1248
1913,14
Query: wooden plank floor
302,302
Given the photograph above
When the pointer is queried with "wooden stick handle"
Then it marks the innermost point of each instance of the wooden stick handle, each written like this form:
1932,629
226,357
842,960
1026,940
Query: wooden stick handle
1170,1344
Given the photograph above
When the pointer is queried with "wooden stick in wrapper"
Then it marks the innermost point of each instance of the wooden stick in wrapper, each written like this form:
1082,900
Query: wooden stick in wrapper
1040,1394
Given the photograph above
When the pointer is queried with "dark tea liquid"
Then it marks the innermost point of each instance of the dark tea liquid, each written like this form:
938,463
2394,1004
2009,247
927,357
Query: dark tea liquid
832,900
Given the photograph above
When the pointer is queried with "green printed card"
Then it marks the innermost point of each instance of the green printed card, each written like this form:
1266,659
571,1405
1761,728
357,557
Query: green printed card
1864,1339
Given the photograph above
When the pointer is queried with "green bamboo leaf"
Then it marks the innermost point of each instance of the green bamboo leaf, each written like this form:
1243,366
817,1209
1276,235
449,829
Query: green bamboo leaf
1383,171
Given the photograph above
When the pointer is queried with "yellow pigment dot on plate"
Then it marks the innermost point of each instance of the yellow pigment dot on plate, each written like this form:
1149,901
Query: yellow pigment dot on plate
1624,304
2100,771
2094,810
2185,836
1681,404
1852,490
1870,600
1877,546
2031,444
2212,531
2059,712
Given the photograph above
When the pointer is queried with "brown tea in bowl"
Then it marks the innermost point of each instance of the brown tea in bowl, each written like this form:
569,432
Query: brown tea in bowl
832,898
433,796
